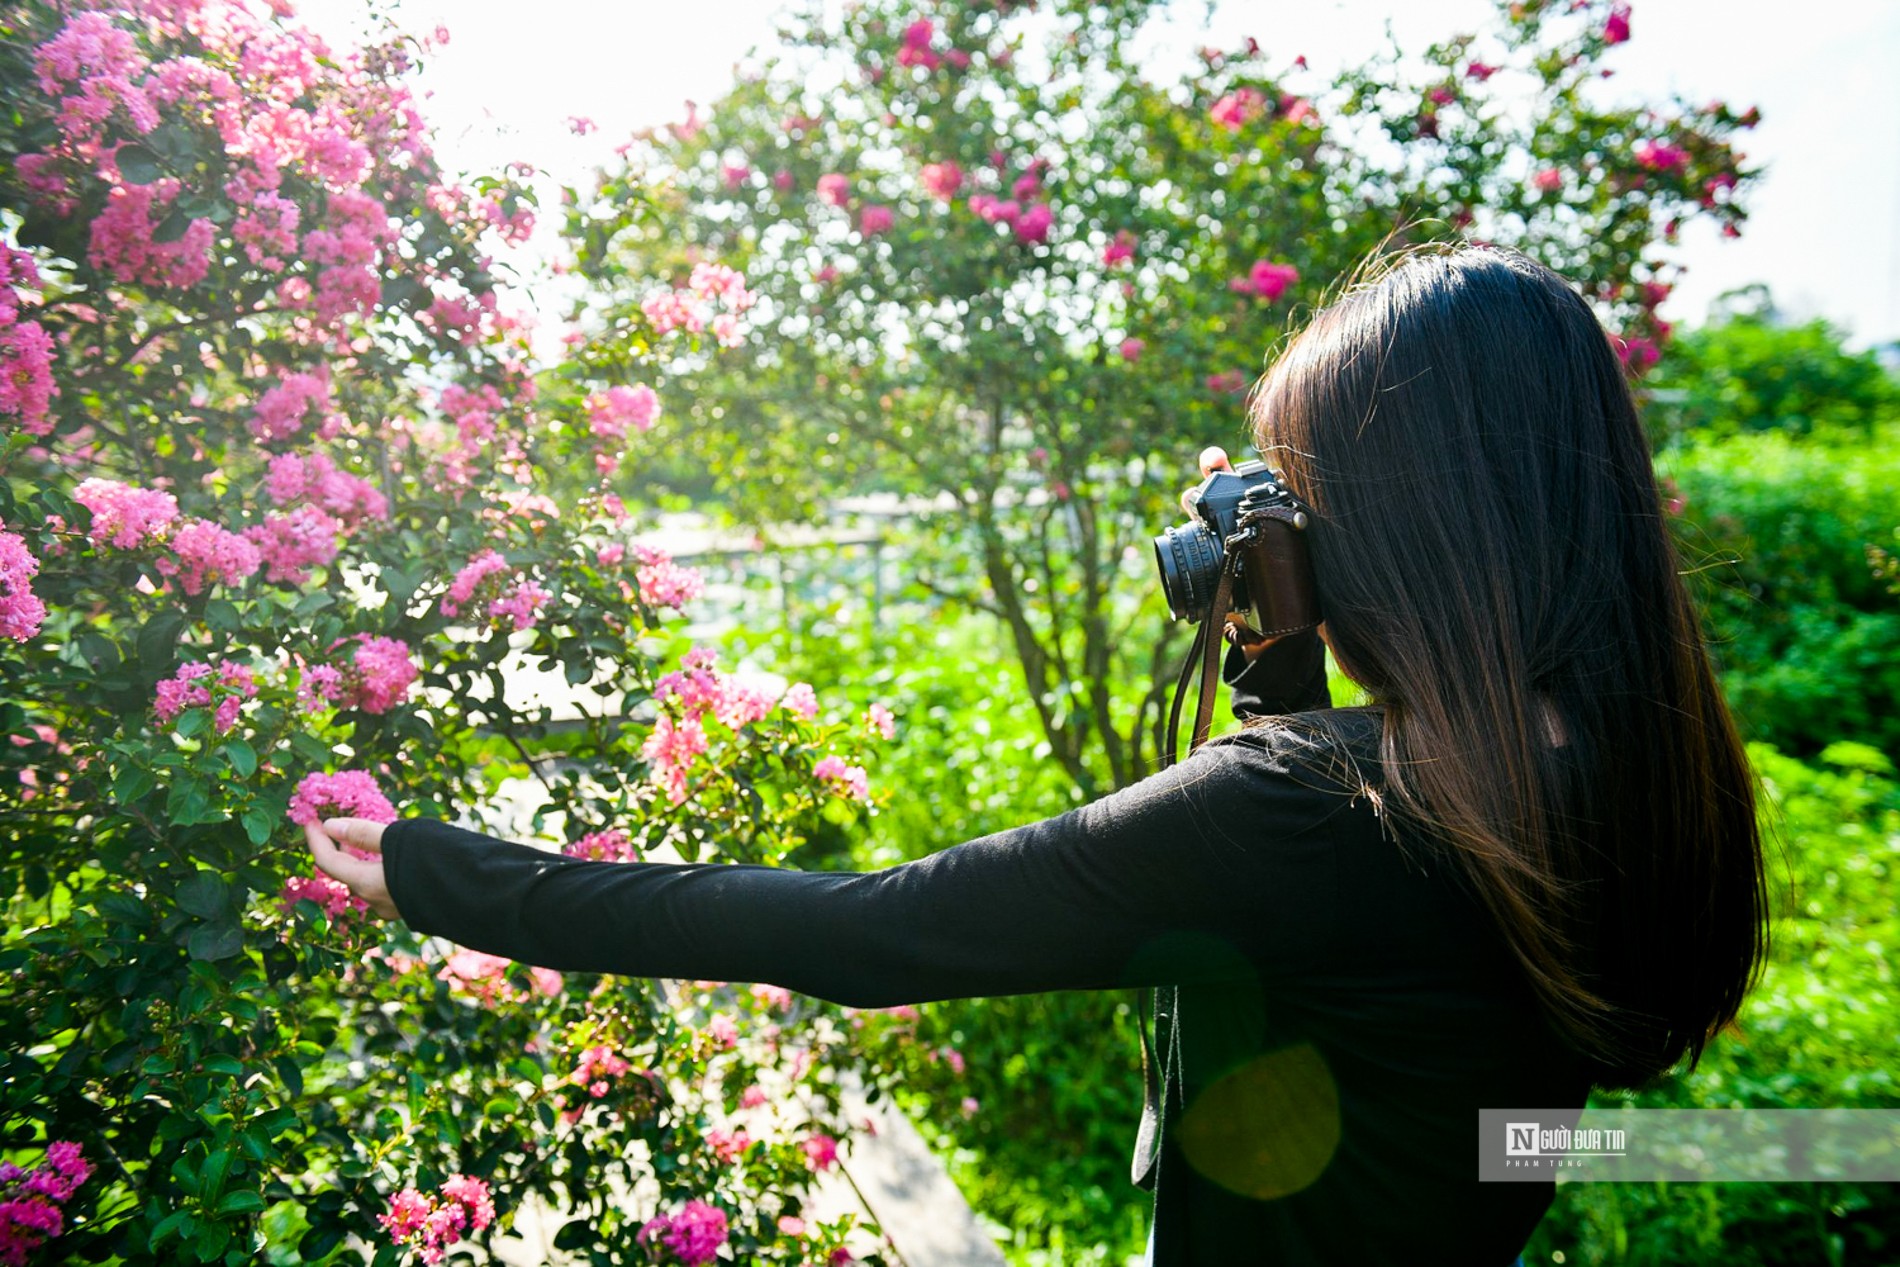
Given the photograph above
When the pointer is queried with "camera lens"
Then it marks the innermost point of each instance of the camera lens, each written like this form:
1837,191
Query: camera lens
1189,557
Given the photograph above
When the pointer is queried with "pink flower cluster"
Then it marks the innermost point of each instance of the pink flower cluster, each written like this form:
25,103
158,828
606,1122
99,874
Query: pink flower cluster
281,103
206,554
834,188
712,299
26,350
801,701
612,845
697,691
124,517
431,1225
1547,180
874,220
915,49
516,597
30,1200
283,411
1265,280
672,749
821,1151
21,611
317,480
345,794
694,1236
291,544
849,780
664,583
1120,251
942,181
1660,156
485,977
375,678
1638,354
881,720
1031,224
1616,28
199,685
597,1065
729,1146
1238,108
612,413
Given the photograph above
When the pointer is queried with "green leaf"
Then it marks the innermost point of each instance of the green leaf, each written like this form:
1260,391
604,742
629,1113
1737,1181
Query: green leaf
291,1073
258,823
215,941
242,756
123,907
173,226
178,1223
205,894
138,164
158,639
131,784
212,1238
222,614
241,1203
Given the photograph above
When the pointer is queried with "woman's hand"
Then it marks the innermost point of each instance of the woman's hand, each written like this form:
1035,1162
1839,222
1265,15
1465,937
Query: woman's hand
1251,644
364,876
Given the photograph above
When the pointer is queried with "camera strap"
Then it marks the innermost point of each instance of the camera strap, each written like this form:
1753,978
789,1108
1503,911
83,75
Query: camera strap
1162,1007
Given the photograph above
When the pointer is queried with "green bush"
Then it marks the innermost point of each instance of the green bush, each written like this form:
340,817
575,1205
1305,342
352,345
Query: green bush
1818,1032
1751,374
1778,529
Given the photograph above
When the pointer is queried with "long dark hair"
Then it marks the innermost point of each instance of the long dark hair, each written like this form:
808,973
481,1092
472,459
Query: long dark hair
1495,570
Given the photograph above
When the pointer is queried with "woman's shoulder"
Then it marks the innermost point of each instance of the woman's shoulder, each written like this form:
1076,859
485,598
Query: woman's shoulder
1339,746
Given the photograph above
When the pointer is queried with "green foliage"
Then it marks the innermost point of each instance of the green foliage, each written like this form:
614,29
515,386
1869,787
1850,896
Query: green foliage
1753,373
1805,633
1003,266
1817,1033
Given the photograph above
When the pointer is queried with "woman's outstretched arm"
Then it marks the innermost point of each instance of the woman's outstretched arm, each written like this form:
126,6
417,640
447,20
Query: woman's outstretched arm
1197,873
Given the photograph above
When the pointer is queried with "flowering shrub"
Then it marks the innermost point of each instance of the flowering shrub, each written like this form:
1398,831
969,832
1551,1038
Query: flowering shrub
276,539
1032,282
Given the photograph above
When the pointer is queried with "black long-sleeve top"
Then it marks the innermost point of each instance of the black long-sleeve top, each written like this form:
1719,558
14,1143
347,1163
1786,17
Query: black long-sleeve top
1342,1008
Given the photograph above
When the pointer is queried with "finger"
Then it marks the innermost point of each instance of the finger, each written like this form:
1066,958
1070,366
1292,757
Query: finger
358,833
1214,458
1188,497
336,864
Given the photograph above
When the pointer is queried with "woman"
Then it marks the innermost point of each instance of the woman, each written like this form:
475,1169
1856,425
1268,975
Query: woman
1529,866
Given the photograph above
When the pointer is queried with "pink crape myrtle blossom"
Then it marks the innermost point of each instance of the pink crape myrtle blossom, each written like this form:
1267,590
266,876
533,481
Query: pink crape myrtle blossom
316,479
291,544
728,1146
21,611
1238,108
915,49
205,554
664,583
431,1225
672,749
800,701
125,517
200,685
1660,156
1131,349
850,780
1547,180
821,1151
283,411
375,677
1266,280
942,181
467,581
30,1200
612,845
1119,251
345,794
834,188
881,720
1032,226
613,413
874,220
1616,28
694,1236
26,350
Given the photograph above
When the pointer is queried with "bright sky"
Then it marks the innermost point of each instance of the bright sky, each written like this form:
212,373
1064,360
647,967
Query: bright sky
1825,231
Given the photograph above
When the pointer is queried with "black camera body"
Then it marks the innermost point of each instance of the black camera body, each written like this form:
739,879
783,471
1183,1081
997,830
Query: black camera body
1250,510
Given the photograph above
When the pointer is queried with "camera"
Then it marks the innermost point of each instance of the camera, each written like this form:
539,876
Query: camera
1249,510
